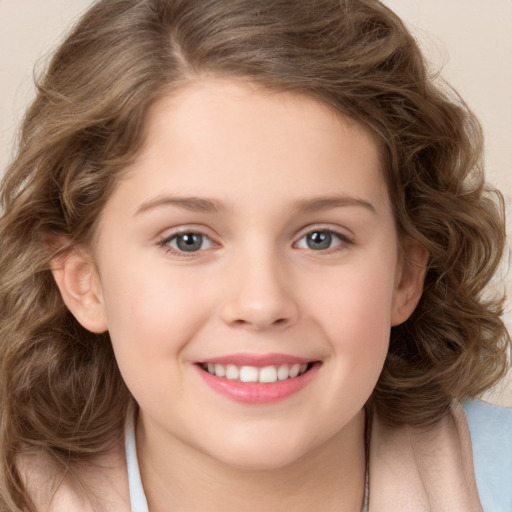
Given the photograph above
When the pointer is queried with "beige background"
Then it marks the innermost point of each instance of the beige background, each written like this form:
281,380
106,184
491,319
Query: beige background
470,40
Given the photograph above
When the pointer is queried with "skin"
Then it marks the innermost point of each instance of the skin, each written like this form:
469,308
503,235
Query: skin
262,165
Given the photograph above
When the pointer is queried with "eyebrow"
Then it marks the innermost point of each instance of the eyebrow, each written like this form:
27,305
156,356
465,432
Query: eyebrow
193,204
330,202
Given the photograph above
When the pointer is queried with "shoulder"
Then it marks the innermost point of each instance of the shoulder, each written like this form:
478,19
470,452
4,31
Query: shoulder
491,436
98,485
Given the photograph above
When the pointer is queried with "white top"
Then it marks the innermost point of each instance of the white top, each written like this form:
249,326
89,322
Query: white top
137,497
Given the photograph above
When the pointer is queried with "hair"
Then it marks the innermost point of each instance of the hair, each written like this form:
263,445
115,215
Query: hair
61,391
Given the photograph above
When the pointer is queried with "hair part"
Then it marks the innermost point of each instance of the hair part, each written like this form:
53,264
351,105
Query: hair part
60,387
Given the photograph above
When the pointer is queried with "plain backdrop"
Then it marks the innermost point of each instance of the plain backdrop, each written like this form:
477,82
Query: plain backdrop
470,41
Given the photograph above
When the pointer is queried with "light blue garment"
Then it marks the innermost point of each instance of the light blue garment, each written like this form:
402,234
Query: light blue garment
491,435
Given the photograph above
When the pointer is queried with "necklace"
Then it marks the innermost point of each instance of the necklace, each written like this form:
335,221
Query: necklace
367,430
366,491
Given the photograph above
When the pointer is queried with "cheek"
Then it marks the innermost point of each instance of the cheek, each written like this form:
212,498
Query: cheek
355,311
151,321
152,313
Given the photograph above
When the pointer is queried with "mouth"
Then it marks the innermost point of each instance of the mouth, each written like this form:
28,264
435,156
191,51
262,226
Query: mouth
254,380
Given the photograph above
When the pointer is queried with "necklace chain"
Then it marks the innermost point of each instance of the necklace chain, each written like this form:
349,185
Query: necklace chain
366,491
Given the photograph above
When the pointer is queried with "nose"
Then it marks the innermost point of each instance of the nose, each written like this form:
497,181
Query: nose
260,295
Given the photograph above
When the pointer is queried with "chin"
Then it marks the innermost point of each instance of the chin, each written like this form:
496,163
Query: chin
260,456
259,461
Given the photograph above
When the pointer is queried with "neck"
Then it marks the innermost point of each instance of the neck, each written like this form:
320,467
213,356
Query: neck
329,478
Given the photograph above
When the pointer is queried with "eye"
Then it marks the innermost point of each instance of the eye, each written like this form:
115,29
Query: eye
187,242
321,240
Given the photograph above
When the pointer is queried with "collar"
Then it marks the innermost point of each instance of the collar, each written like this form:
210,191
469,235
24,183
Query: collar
419,470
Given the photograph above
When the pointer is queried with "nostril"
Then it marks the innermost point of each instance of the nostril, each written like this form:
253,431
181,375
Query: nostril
260,323
259,312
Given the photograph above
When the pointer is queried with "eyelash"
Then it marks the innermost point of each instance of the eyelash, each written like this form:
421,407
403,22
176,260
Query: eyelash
165,243
343,242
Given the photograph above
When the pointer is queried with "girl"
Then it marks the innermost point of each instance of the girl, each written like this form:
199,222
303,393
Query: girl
244,249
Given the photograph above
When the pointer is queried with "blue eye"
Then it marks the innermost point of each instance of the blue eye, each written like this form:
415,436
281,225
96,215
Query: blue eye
320,240
188,242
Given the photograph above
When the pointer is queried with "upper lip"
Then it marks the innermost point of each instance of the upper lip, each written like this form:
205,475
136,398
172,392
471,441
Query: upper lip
257,360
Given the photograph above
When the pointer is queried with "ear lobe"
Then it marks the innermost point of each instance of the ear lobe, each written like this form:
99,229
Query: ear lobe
78,282
409,283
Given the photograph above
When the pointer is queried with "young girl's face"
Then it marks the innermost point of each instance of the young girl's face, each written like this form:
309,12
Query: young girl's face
253,237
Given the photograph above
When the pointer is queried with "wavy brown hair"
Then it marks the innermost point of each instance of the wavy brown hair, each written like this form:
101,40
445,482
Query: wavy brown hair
61,391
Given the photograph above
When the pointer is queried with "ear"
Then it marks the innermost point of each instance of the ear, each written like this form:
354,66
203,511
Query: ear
409,281
79,284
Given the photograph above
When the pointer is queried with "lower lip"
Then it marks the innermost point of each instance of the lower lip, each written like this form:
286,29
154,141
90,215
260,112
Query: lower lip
257,392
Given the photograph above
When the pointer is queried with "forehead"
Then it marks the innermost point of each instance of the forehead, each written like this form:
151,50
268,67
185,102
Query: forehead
227,138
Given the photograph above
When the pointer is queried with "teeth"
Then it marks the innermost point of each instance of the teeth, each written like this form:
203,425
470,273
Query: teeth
294,370
267,374
220,371
232,372
249,374
283,372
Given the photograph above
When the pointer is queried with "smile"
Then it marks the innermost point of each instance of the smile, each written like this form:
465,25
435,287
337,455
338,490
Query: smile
257,379
267,374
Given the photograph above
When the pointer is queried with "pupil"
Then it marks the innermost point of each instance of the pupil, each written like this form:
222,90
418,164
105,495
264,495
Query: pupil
189,242
319,240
